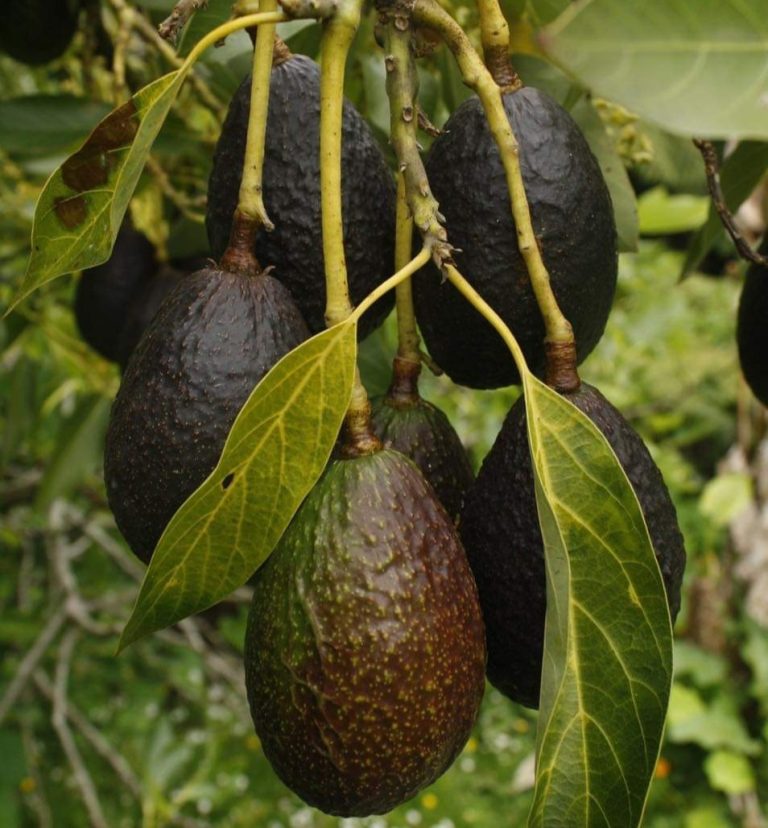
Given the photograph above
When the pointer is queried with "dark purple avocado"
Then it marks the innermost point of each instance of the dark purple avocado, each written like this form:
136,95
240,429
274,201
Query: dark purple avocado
292,194
500,530
364,651
212,340
574,225
752,328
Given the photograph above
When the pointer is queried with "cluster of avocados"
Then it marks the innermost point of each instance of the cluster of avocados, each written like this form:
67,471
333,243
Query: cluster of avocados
401,580
751,329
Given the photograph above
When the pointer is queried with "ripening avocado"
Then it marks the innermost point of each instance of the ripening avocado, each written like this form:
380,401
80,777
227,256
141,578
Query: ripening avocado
213,338
500,530
105,292
752,328
37,31
364,650
292,193
142,309
404,421
574,225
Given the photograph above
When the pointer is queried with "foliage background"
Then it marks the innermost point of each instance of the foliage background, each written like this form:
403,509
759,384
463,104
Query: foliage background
161,735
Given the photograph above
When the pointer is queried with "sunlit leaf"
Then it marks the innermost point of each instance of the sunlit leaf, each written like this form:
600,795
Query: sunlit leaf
276,450
82,205
694,68
608,641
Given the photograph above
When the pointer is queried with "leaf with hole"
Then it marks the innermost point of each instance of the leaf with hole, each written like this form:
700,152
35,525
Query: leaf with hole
275,451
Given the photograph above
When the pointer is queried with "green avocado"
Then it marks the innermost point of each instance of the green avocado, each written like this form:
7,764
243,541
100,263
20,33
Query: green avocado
142,309
500,530
364,651
574,224
37,31
420,430
752,328
212,340
104,293
292,194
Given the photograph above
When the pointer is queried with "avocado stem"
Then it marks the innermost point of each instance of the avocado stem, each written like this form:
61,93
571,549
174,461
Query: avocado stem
404,388
338,34
239,257
251,196
408,340
494,36
428,13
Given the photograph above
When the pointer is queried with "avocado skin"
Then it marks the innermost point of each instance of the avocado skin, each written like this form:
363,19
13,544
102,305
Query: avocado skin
364,650
142,309
37,31
104,293
421,431
752,328
573,221
500,530
211,341
292,194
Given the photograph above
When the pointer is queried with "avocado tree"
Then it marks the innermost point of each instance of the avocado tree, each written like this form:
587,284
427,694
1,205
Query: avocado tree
243,448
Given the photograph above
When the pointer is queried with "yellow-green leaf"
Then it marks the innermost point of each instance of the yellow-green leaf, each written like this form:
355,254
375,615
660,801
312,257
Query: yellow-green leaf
608,641
275,451
82,204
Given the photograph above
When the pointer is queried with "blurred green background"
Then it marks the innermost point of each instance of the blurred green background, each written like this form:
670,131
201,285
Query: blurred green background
161,735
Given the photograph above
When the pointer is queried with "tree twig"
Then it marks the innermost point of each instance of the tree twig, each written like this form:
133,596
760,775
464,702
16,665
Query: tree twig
182,12
712,169
31,660
60,725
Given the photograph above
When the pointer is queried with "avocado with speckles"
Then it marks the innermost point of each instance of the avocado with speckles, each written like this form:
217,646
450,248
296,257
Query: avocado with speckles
292,193
752,328
37,31
403,420
364,650
574,225
104,293
212,340
500,530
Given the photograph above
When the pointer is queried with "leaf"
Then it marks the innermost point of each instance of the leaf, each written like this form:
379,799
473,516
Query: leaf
740,174
694,69
40,125
660,213
78,451
608,640
276,450
729,772
82,205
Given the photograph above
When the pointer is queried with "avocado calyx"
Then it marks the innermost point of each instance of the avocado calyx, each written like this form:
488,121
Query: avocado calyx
359,438
239,256
404,389
561,373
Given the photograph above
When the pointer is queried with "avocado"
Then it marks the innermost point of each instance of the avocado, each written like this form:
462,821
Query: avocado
500,530
142,309
104,293
573,221
752,328
364,650
292,194
405,421
213,338
37,31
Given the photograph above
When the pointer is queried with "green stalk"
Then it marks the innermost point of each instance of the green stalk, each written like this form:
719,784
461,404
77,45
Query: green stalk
251,215
494,35
428,13
339,32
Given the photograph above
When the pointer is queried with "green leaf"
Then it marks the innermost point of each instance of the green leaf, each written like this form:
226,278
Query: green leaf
662,214
729,772
79,447
740,174
694,69
608,641
275,451
726,496
40,125
82,205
